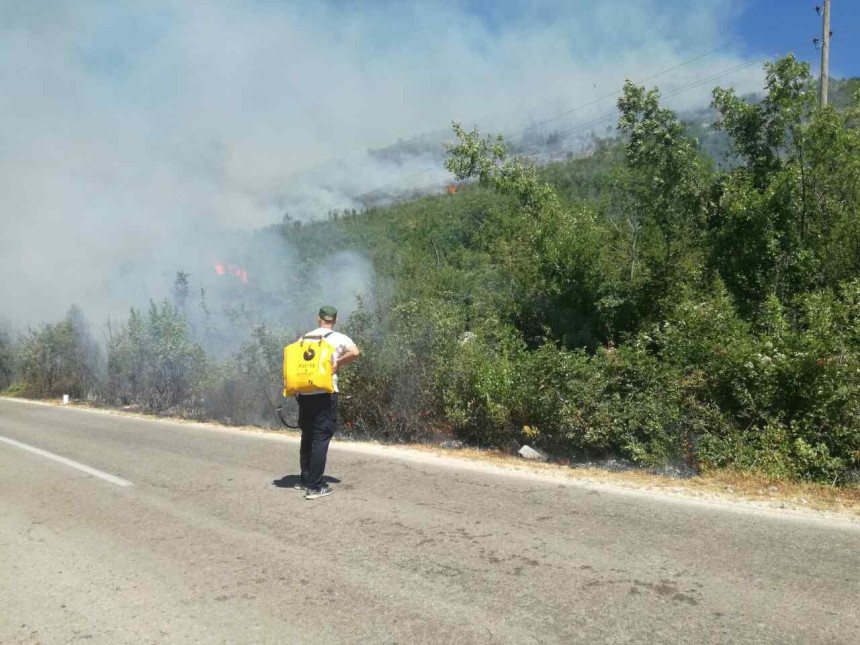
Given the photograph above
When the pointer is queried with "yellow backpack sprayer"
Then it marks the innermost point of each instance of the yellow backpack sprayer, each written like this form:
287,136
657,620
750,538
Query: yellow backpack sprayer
307,366
307,370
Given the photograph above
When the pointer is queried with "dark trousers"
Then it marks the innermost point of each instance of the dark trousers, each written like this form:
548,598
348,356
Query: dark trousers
318,421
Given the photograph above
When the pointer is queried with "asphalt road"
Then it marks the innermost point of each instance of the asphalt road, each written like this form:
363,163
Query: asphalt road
193,543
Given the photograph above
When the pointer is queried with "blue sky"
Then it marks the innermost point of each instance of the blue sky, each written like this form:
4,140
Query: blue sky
790,25
758,26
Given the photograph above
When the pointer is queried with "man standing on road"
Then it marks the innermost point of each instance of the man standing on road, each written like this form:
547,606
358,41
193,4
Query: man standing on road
318,411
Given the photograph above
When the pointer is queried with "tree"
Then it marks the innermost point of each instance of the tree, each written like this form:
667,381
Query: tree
785,221
549,251
180,291
667,186
486,160
62,358
153,362
8,359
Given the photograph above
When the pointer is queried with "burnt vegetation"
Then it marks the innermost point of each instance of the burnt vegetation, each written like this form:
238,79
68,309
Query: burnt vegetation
653,301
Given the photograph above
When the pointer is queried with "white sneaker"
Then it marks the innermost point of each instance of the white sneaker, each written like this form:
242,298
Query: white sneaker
322,492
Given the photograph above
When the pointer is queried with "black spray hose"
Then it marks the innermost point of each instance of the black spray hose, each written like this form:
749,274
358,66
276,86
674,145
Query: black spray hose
280,411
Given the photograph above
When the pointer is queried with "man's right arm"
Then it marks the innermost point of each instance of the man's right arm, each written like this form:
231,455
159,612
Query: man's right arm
352,352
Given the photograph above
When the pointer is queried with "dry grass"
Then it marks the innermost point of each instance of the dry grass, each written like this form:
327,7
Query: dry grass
728,485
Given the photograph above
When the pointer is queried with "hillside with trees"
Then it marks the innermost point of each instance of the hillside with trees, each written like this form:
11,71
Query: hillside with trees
648,302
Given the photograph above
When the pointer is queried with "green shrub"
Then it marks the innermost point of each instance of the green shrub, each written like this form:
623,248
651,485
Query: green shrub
60,358
152,362
392,390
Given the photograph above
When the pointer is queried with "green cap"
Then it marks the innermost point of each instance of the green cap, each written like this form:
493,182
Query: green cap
329,314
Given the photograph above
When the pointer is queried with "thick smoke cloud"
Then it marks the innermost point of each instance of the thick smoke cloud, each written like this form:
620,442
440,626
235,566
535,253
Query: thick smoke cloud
139,139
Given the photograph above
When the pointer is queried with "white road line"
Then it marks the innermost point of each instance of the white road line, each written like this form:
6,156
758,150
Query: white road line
74,464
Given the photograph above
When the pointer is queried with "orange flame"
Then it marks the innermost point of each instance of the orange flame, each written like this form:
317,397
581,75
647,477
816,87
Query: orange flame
452,189
232,269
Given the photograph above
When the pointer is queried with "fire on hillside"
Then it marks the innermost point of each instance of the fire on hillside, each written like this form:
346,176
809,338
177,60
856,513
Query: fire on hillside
232,269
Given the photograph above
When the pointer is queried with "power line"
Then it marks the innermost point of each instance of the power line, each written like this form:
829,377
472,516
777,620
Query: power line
616,93
610,115
676,91
558,116
697,83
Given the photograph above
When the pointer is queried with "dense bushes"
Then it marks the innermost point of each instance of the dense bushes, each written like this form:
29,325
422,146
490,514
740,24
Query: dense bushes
394,390
62,358
9,364
704,388
153,363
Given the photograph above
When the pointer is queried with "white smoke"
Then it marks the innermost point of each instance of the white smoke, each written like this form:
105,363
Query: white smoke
138,138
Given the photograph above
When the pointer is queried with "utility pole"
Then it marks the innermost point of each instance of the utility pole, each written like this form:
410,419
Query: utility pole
825,55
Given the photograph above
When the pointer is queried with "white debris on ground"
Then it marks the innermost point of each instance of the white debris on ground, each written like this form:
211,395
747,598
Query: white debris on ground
527,452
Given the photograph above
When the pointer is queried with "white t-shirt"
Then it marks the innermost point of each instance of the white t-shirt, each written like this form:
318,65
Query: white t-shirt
340,342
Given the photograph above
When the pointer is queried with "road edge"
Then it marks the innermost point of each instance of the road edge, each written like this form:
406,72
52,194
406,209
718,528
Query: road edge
654,487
